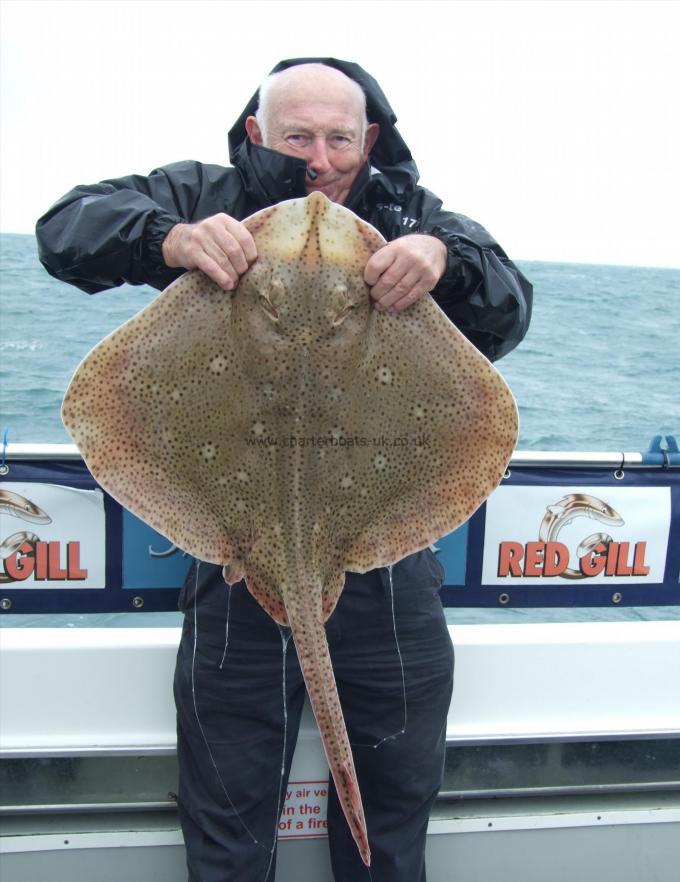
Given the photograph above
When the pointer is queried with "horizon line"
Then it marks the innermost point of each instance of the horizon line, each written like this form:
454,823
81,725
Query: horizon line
574,261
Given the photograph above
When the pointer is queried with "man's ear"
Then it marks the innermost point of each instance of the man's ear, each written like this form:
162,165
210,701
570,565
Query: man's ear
253,131
372,133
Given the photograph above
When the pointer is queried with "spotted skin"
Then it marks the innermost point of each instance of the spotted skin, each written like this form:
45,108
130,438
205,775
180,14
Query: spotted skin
275,430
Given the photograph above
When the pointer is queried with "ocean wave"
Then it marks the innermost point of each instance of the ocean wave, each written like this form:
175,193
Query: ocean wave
31,345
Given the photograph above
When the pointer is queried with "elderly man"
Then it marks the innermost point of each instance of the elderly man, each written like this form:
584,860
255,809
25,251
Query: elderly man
316,124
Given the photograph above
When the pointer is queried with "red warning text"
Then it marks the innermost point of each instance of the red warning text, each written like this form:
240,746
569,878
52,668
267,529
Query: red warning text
304,810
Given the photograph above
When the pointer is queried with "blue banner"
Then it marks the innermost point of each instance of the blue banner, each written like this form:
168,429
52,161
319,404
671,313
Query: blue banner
567,536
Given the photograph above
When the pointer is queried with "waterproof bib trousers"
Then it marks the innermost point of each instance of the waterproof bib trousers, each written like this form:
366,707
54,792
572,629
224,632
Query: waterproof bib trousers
239,694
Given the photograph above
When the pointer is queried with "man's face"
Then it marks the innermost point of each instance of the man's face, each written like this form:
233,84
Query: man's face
325,131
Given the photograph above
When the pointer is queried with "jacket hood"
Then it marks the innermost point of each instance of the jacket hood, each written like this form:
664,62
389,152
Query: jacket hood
390,151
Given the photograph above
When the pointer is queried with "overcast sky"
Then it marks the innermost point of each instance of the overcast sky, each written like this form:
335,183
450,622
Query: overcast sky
554,124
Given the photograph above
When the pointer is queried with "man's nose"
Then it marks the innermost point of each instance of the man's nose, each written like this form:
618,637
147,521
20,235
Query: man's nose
318,156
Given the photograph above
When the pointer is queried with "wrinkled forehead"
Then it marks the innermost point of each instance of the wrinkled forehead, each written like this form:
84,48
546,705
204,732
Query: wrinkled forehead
320,113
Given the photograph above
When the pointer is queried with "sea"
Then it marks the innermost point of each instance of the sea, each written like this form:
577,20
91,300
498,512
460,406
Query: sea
599,369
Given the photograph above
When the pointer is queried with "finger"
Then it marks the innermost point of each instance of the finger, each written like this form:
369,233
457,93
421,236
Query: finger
212,269
413,296
417,282
243,236
211,255
378,263
392,277
219,245
401,288
394,284
226,240
226,250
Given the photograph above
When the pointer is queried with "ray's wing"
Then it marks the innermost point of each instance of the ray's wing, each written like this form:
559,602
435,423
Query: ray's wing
160,409
433,424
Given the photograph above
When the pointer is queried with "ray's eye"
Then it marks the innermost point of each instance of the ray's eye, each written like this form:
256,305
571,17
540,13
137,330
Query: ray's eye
269,308
272,297
343,314
342,303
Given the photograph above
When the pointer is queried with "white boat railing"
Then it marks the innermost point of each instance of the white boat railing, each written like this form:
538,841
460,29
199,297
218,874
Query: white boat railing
528,458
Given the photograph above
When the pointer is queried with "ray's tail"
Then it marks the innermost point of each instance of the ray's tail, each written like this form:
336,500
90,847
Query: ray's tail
309,635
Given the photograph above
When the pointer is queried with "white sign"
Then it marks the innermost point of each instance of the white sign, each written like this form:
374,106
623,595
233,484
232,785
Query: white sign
599,535
51,536
304,810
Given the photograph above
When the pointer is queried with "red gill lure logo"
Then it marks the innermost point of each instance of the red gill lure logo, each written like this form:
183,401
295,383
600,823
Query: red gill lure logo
597,553
25,555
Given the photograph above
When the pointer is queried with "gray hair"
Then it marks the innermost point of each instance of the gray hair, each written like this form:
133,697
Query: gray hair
267,100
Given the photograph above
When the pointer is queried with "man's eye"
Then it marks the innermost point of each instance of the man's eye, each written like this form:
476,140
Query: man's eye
339,142
298,140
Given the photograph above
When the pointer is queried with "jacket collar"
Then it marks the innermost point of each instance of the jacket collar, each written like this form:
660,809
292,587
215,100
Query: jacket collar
270,177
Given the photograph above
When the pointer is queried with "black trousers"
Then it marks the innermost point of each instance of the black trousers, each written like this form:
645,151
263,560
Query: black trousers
239,695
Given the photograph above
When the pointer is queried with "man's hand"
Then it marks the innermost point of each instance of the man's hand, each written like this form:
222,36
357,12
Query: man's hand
220,245
404,270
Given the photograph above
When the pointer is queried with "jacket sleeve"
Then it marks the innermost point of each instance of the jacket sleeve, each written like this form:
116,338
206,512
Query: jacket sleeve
481,291
101,235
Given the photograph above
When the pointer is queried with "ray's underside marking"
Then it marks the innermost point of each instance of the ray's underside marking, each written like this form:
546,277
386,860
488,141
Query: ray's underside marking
291,432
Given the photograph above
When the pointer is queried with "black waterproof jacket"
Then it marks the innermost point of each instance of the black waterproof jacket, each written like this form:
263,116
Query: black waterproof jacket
101,235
